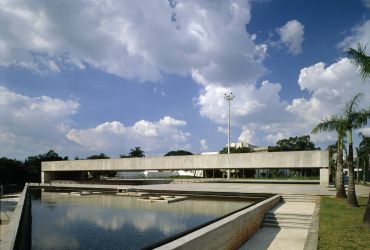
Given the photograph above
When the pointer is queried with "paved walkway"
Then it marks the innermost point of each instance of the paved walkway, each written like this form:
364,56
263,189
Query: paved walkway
286,226
7,206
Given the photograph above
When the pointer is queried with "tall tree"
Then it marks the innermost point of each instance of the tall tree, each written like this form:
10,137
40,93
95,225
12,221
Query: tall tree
338,124
136,152
297,143
363,154
33,163
354,119
361,59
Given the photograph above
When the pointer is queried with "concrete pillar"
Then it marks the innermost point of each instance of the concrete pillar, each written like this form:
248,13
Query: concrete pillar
46,176
42,177
324,177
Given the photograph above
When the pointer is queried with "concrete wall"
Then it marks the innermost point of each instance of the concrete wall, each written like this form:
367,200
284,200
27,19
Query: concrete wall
294,159
228,233
18,232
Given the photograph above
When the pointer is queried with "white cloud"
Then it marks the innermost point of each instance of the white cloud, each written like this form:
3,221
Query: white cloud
126,38
250,103
222,130
264,118
247,135
359,34
203,144
366,3
330,88
292,36
33,125
273,138
153,137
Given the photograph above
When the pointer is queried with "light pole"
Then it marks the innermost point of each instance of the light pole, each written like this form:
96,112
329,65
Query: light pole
228,97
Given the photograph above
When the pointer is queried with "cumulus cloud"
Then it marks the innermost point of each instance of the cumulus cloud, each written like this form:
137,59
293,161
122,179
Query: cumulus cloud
203,144
153,137
359,34
264,118
251,102
247,135
132,39
33,125
330,88
292,36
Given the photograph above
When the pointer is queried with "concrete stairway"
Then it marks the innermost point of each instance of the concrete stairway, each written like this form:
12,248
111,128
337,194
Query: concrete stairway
299,198
287,220
291,217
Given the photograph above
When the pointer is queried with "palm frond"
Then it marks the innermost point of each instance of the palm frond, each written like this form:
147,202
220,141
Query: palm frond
359,57
332,123
352,104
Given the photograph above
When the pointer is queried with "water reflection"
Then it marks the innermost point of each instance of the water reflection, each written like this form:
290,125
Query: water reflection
114,222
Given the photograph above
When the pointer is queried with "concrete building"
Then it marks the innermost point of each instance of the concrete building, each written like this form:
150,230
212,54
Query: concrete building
271,160
254,148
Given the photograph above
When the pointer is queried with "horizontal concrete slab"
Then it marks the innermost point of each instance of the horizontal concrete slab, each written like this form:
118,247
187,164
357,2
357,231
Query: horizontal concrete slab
293,159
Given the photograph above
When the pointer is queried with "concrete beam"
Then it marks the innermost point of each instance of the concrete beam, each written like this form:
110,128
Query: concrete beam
293,159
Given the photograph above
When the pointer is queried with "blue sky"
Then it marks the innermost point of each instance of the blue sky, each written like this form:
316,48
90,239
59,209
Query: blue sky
84,77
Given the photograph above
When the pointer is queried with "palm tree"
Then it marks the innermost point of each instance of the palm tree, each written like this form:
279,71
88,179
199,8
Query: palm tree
364,150
336,123
136,152
360,59
363,61
354,119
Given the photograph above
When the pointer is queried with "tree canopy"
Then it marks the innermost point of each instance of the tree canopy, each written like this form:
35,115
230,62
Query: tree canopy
178,152
99,156
33,163
236,150
297,143
134,153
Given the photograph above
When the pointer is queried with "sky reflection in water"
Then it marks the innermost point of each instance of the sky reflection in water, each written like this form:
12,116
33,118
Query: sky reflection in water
115,222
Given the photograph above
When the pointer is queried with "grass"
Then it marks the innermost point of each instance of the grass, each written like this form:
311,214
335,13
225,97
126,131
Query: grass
341,227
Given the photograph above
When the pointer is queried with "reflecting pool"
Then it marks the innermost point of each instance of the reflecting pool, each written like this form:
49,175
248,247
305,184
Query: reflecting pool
109,221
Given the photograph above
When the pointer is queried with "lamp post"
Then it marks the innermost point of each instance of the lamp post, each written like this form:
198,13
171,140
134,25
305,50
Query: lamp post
228,97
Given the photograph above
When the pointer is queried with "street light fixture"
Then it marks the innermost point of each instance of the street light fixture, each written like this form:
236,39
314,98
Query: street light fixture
228,97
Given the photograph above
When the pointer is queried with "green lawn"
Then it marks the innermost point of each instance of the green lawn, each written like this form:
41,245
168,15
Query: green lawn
340,226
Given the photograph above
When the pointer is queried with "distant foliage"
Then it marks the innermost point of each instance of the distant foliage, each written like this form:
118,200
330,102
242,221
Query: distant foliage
12,172
33,163
136,152
178,152
99,156
236,150
294,144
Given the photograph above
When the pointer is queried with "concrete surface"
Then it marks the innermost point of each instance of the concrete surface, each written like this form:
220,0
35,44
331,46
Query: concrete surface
307,189
290,230
8,204
228,233
10,233
277,239
293,159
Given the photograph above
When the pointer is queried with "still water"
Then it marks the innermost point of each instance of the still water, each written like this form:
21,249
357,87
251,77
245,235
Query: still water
108,221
